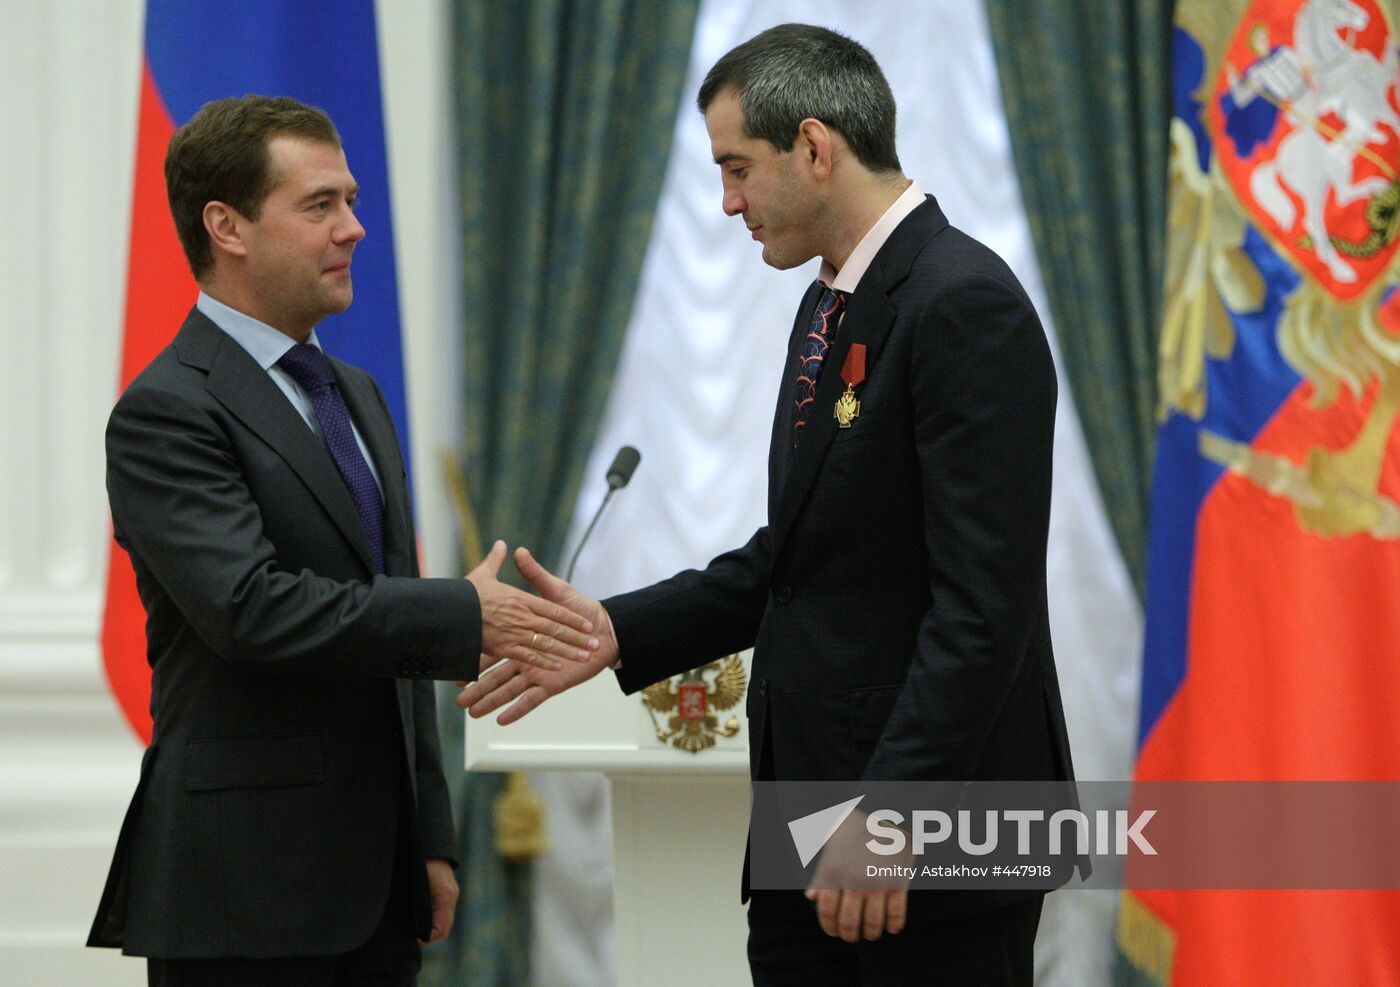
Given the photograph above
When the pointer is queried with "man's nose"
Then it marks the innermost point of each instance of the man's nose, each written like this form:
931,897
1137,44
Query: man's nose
733,203
350,231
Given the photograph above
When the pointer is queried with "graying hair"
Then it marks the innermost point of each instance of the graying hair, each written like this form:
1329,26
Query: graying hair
795,71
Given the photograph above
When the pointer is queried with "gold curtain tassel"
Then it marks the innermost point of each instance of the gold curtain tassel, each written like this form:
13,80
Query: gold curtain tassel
519,820
453,473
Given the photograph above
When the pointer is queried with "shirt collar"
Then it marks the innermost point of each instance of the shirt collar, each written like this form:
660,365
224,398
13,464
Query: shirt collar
854,269
264,344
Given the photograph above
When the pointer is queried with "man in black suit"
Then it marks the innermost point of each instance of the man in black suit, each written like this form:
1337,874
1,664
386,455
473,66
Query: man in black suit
896,598
291,824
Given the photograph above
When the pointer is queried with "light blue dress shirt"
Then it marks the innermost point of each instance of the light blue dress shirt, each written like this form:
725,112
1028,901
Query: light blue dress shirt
266,346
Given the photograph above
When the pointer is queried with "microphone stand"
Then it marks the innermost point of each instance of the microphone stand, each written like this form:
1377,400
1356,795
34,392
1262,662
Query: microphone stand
569,576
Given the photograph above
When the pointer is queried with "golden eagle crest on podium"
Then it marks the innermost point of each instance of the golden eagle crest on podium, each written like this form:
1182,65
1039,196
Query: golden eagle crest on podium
692,701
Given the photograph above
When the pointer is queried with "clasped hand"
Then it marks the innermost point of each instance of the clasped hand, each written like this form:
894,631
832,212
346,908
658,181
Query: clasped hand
848,904
523,628
529,677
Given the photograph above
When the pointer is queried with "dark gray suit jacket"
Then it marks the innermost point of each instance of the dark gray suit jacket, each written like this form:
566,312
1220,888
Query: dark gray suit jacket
896,598
288,770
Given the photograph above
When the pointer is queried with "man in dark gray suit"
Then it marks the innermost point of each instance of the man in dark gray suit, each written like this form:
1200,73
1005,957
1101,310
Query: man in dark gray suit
895,599
291,824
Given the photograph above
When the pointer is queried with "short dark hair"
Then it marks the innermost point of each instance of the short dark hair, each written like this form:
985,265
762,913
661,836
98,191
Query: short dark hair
795,71
221,155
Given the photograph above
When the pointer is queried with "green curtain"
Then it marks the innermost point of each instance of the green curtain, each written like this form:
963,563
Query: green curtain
565,111
1087,91
490,939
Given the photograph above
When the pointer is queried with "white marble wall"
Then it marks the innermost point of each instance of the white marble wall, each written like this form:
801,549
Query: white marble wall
69,75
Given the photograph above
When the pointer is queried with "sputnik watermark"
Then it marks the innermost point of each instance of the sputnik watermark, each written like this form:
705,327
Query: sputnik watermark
810,832
999,835
886,826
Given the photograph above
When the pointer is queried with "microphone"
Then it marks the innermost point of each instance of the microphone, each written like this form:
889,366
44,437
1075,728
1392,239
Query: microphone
624,464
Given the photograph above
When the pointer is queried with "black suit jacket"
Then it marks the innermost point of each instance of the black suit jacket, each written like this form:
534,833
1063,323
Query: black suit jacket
288,769
896,598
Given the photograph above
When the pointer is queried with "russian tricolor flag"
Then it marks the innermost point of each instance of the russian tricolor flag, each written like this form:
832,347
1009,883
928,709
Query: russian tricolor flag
1273,602
196,51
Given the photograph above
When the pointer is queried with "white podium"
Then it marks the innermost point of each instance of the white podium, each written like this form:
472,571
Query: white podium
680,818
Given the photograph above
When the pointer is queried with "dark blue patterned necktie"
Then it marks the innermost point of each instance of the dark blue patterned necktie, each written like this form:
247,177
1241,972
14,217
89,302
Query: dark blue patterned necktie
311,369
820,331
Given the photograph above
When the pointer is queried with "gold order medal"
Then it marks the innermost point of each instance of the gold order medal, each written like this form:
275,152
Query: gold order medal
847,408
853,373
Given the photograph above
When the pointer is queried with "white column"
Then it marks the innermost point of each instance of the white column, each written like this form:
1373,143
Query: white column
415,38
69,72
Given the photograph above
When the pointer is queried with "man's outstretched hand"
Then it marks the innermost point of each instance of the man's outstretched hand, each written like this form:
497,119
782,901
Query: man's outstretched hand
521,685
525,628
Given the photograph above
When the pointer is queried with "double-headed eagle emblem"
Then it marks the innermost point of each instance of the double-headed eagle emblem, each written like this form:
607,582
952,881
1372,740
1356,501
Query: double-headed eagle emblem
689,698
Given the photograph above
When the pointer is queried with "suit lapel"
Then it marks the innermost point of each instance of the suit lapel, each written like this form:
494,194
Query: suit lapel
378,432
868,319
780,443
249,394
377,429
869,316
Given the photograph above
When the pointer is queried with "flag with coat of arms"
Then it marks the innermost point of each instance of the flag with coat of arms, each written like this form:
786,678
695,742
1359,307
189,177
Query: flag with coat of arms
1273,604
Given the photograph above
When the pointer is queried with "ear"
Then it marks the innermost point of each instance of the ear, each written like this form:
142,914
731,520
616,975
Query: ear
816,143
225,227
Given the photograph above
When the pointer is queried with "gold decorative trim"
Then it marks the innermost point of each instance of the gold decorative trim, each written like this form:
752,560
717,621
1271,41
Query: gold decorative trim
1145,940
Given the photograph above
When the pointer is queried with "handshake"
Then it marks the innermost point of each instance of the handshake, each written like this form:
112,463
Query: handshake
533,647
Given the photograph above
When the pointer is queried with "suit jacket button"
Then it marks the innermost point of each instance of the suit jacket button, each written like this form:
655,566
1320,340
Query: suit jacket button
763,687
785,594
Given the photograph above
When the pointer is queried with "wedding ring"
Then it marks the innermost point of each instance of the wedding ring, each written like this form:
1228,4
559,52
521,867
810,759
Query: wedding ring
533,638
